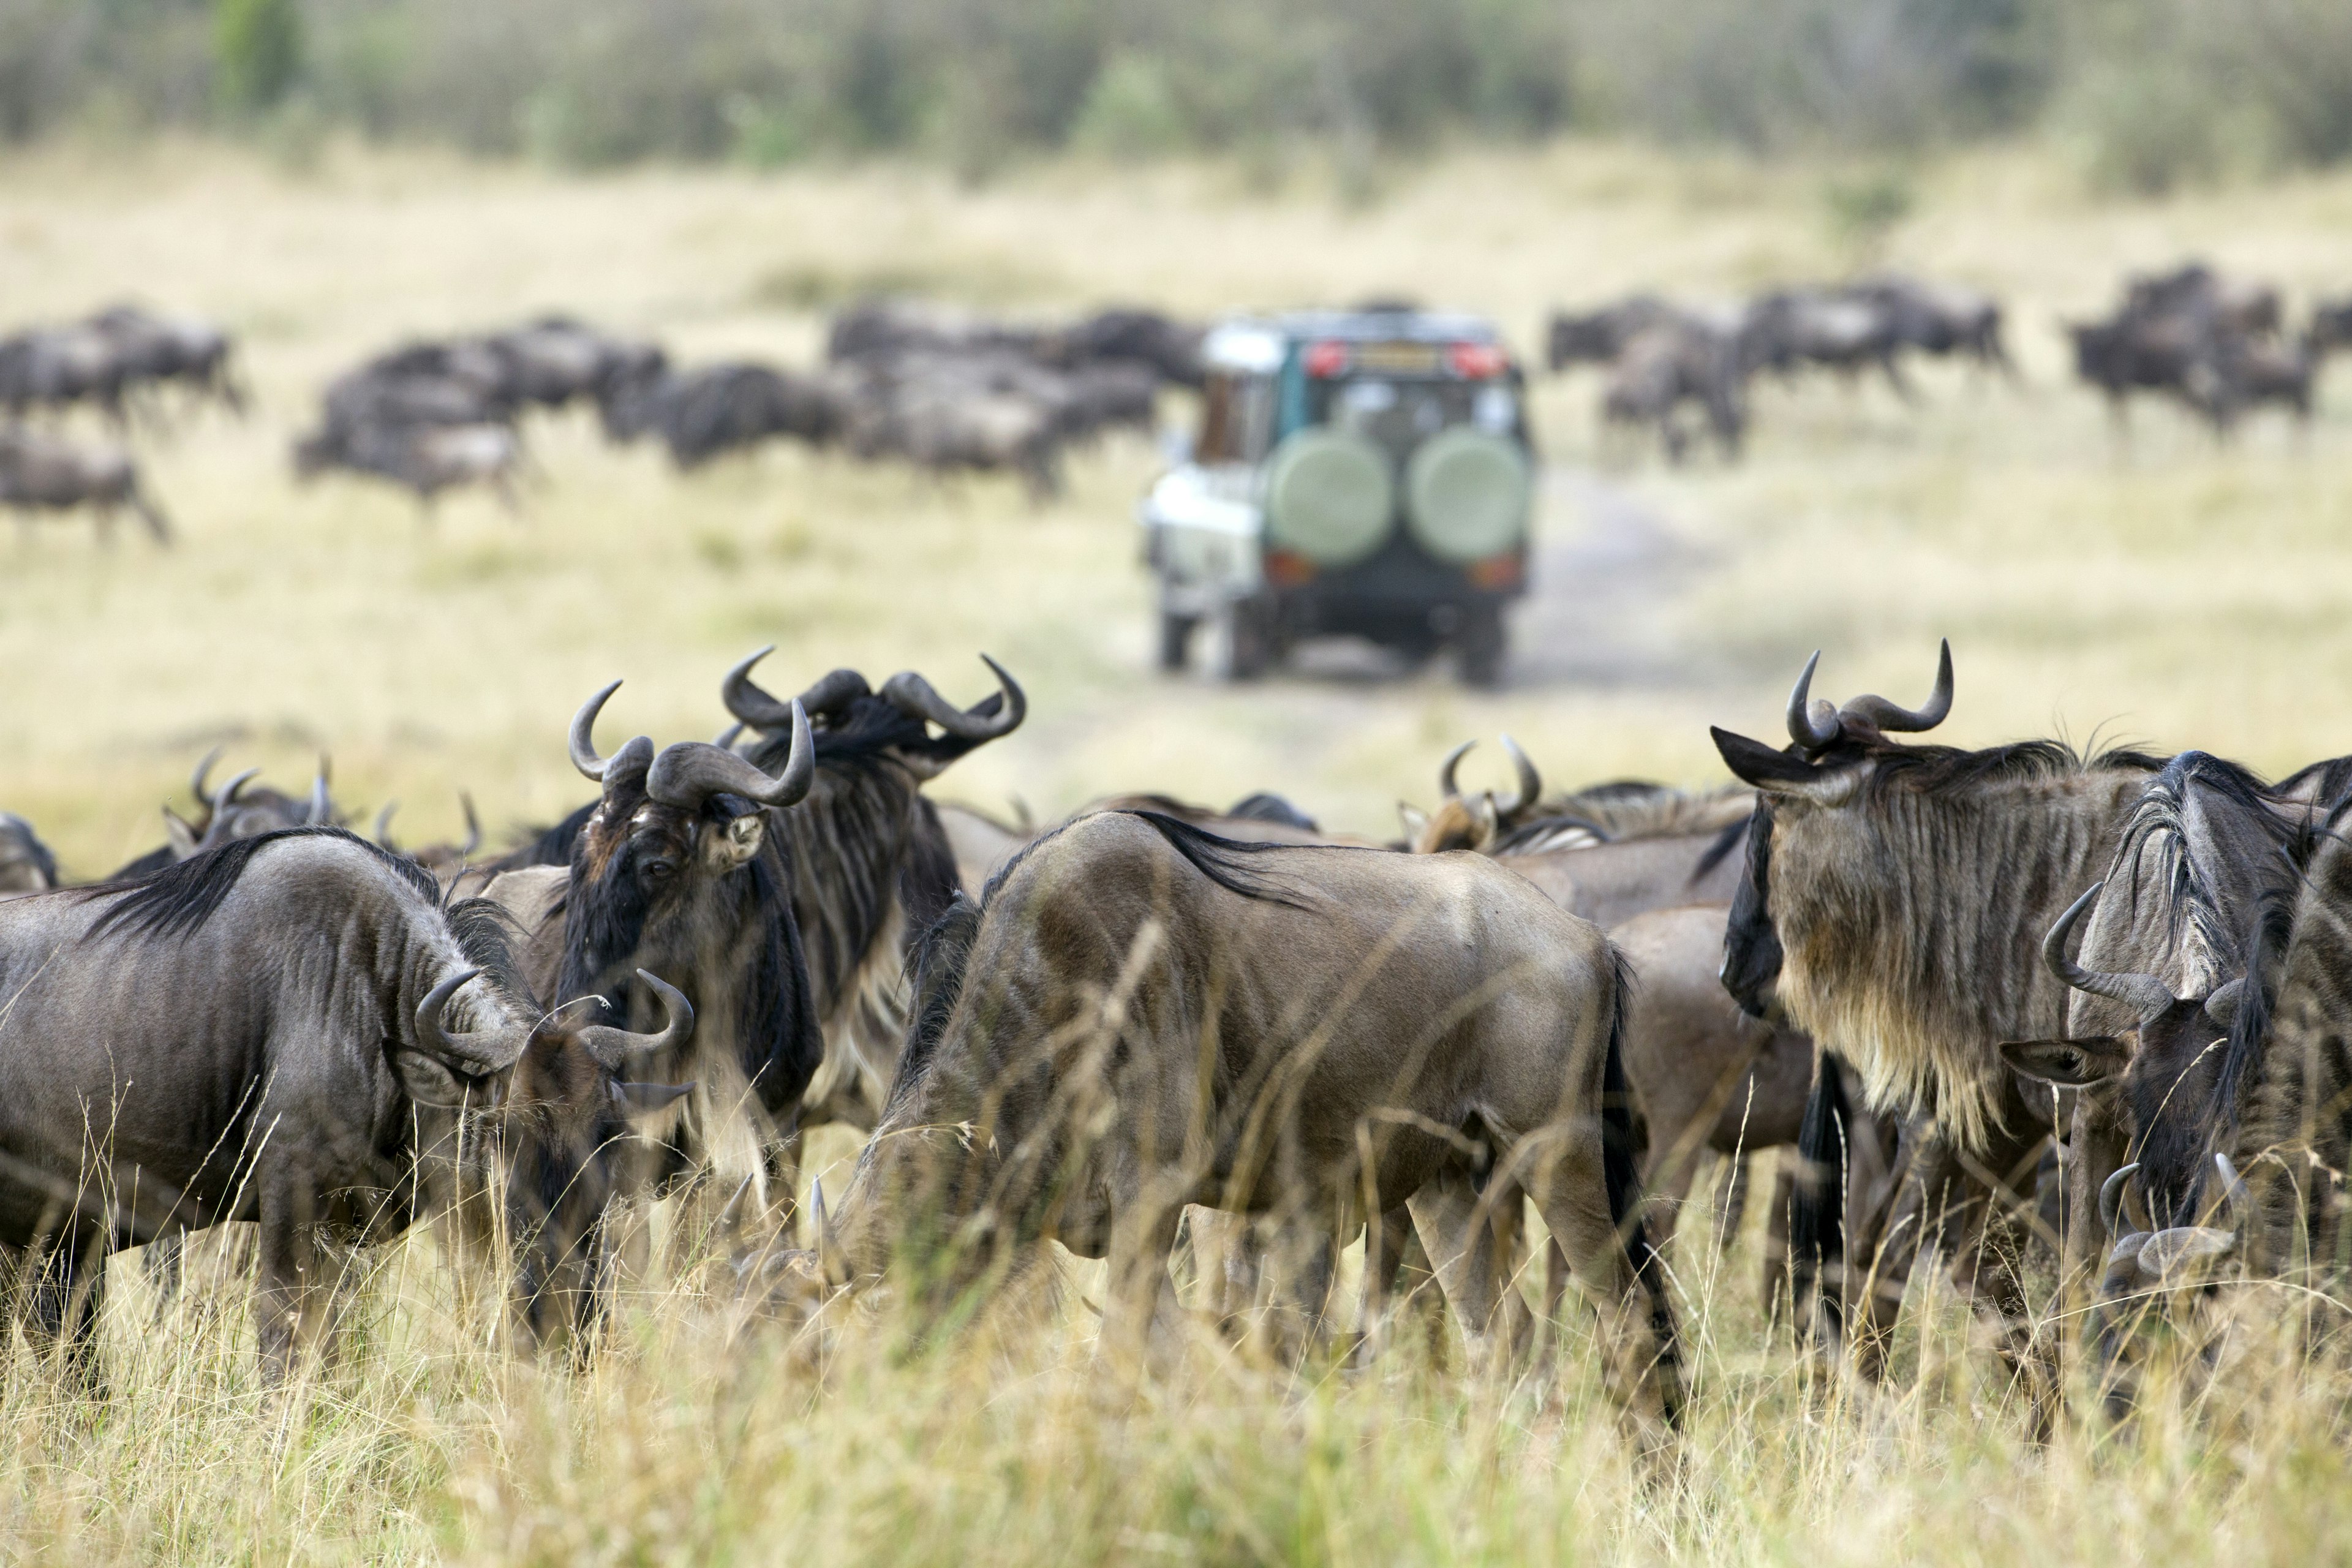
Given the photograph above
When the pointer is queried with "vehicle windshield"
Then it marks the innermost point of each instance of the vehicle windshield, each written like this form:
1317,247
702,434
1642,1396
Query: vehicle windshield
1237,417
1398,413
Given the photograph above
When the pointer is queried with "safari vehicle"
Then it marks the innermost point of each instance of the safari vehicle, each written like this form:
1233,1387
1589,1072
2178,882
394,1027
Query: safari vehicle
1360,472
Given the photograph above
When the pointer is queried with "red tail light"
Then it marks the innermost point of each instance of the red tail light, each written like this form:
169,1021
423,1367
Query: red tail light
1328,358
1476,362
1494,571
1287,570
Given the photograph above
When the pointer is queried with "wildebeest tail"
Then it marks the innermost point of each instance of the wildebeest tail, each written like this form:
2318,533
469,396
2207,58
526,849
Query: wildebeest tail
1225,861
1624,1142
1817,1206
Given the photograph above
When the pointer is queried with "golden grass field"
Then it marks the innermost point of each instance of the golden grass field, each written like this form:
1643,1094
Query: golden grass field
2166,591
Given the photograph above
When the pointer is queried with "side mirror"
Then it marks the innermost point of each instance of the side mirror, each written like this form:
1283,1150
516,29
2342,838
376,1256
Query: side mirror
1175,444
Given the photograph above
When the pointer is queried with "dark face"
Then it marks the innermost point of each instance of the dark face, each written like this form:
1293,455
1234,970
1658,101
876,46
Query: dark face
654,887
1751,948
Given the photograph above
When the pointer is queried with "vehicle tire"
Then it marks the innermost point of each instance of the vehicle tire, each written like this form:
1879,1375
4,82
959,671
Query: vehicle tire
1244,640
1479,645
1176,641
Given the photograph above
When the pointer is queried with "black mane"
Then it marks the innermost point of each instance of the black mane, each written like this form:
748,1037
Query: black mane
1935,770
178,900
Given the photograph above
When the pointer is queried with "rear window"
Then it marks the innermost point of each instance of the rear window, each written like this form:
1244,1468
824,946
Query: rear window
1399,413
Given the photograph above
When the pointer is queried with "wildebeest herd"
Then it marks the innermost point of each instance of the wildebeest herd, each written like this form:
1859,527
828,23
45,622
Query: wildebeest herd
2092,1004
941,390
2218,344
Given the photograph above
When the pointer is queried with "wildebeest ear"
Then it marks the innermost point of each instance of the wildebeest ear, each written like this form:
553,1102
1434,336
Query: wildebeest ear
1415,820
431,1082
1765,767
737,842
2069,1064
639,1102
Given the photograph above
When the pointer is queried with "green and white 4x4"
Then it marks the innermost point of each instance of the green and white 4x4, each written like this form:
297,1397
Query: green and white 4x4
1360,472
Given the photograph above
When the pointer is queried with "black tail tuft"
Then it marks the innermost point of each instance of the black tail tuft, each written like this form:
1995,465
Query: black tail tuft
1624,1142
1817,1206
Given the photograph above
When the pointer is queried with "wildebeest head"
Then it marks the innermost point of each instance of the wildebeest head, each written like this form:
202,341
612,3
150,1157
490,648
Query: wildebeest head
898,720
25,864
1909,887
550,1118
680,872
1471,822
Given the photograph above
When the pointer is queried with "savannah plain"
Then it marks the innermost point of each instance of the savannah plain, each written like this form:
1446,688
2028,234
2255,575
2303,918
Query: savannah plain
2158,589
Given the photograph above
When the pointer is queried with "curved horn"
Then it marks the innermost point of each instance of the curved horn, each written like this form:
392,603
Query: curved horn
583,731
467,1053
226,796
762,710
1891,720
382,831
1445,785
1530,781
730,1218
690,773
472,828
612,1046
2144,994
2111,1195
912,694
320,810
204,769
725,739
2242,1202
1809,726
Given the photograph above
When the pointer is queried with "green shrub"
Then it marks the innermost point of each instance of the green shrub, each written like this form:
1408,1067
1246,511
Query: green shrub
257,51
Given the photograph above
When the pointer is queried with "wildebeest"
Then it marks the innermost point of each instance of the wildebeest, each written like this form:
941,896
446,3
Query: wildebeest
44,472
235,810
1661,368
423,459
154,351
1788,327
26,866
284,1031
2245,306
710,410
1939,319
1055,1084
681,871
1894,904
949,414
56,367
871,864
438,859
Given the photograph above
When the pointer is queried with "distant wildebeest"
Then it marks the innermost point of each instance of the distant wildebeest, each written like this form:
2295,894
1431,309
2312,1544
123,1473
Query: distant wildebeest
2184,357
939,419
710,410
26,866
57,367
2331,326
1054,1087
1659,370
1893,905
231,812
2243,306
557,360
44,472
152,351
1123,335
438,859
1598,336
424,459
322,1065
2211,341
1939,319
1790,328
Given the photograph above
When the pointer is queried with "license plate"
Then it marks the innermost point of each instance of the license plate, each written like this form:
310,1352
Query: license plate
1398,359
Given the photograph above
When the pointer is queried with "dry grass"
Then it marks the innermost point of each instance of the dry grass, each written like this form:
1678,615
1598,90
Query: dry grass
2174,593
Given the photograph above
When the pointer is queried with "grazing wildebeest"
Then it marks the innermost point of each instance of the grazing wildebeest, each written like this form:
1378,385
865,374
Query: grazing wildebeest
1792,327
319,1063
1939,319
25,864
871,864
44,472
1140,1015
1894,904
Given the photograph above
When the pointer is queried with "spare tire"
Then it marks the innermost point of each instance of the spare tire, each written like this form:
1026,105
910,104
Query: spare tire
1465,495
1328,497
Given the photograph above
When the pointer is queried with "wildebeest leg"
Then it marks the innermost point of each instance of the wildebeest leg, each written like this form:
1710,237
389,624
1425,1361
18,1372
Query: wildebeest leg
67,1284
286,1287
1140,1296
1893,369
152,515
1637,1324
161,1261
103,520
1665,1188
1731,1198
1776,1235
1471,1239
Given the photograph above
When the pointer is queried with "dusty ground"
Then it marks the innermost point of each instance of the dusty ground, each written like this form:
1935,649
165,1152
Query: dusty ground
2184,593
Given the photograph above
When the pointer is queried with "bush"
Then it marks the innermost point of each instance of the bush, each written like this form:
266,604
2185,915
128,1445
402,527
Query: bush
257,51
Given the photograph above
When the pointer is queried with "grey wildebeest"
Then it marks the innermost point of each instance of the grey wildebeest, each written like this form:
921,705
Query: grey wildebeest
56,367
1893,905
1140,1015
322,1067
1666,366
1790,328
154,351
704,412
1939,319
25,864
47,473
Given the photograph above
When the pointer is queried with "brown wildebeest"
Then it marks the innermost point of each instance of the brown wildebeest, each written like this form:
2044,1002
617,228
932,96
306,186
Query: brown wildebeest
1141,1016
1663,367
47,473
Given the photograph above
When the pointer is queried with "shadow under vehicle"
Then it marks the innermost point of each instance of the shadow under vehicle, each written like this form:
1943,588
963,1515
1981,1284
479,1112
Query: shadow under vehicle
1358,473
